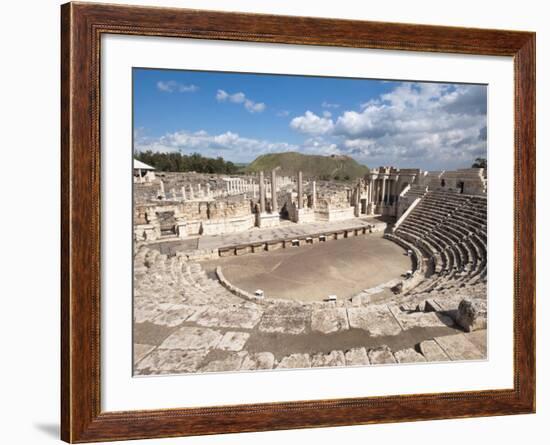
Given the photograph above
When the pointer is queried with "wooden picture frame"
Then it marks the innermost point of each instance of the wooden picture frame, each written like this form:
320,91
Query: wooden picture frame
82,26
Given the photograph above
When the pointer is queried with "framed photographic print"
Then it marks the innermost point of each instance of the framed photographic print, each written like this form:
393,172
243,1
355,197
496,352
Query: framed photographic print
279,222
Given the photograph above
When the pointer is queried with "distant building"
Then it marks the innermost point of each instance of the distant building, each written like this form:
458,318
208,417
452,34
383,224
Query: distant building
143,172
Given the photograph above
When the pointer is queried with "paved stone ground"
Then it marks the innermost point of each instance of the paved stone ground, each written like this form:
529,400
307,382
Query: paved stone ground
284,232
312,272
186,322
287,229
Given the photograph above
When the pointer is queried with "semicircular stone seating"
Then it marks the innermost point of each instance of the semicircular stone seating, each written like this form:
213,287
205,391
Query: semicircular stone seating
450,231
187,321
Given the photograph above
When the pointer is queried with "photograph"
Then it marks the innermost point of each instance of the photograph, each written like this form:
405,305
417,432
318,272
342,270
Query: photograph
292,221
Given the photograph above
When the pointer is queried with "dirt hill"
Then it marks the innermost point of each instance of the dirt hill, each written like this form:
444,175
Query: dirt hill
333,167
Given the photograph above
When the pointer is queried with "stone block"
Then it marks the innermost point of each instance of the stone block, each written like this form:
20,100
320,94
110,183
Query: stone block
381,356
329,320
432,352
356,357
233,341
408,356
170,361
295,361
175,316
334,358
228,317
377,320
259,360
472,315
141,351
231,363
192,338
409,320
458,347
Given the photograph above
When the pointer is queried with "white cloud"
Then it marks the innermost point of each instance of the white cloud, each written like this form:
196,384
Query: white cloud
326,104
283,113
171,86
228,145
426,125
240,98
312,124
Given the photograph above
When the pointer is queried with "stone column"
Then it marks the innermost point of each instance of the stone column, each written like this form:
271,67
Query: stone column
183,194
191,194
227,187
314,195
300,191
199,191
383,195
161,190
357,199
262,193
208,192
274,205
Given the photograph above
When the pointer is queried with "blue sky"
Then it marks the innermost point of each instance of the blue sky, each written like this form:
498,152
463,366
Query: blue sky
241,116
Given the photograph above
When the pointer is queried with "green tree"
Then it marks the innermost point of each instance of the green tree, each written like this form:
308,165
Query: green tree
480,163
177,162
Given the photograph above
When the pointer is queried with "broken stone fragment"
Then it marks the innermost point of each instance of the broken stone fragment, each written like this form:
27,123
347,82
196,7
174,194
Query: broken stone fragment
472,315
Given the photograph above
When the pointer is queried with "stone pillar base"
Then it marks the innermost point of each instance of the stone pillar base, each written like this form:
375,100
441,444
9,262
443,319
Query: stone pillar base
267,220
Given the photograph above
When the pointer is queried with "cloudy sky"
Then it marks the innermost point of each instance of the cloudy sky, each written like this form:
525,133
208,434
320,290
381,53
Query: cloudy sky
425,125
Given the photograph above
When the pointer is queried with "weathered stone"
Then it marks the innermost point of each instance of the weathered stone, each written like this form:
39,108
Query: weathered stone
398,288
357,357
295,361
432,351
378,320
284,318
408,320
141,351
408,356
175,316
259,360
231,363
170,361
479,338
192,338
472,315
381,355
334,358
230,317
149,311
458,347
329,320
233,341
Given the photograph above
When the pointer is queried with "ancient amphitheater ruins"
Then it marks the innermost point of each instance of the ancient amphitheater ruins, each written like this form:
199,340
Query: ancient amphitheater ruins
211,250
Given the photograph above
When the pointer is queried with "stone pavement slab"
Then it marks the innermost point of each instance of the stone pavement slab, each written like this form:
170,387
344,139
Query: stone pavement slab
170,361
408,356
259,360
458,347
141,350
433,352
381,356
329,320
231,363
233,341
334,358
228,317
295,361
357,357
378,320
408,320
192,338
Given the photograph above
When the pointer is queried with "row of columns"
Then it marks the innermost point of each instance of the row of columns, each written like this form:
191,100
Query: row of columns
382,191
185,195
